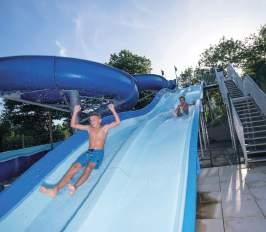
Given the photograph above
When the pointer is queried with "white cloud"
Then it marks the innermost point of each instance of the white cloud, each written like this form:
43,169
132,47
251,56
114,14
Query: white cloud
80,38
62,49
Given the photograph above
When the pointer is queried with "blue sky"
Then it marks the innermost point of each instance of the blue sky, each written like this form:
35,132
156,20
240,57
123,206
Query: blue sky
169,32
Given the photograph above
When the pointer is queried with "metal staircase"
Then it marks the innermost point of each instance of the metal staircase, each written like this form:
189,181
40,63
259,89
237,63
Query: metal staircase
253,122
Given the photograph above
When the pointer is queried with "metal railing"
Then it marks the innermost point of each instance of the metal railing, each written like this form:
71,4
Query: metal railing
249,88
233,75
233,119
237,125
253,90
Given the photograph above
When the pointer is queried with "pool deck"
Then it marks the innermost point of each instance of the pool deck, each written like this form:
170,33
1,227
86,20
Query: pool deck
232,199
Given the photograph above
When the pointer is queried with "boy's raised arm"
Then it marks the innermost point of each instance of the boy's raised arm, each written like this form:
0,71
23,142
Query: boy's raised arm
111,107
74,123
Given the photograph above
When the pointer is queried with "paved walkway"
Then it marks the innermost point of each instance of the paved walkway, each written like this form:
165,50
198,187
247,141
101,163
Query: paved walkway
232,199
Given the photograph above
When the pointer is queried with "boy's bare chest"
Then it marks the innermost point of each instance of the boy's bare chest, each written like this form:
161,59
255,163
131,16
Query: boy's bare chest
97,133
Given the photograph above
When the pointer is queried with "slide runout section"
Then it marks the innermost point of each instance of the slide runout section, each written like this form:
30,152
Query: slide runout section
58,221
11,197
150,176
33,206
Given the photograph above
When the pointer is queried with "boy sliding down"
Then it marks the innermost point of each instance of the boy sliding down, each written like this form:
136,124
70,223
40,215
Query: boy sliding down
92,158
182,108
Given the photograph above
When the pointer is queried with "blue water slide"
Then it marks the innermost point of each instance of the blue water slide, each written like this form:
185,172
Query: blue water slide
148,167
150,81
146,182
172,84
47,75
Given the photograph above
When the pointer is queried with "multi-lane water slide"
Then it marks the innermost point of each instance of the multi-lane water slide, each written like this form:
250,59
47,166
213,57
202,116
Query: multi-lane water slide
147,181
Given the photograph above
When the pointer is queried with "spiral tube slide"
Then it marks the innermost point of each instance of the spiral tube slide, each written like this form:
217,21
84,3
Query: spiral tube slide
46,73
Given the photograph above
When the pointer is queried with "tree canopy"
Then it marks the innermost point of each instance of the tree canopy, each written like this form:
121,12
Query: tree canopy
249,55
133,64
129,62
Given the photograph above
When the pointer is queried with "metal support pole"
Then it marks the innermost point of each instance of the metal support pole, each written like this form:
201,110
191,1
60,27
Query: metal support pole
201,146
50,128
209,106
231,127
203,133
206,131
74,100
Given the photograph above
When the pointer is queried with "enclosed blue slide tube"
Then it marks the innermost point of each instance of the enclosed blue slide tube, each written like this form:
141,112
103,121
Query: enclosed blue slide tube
44,79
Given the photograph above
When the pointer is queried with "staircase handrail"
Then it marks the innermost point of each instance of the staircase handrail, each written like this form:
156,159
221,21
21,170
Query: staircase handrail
238,127
233,75
220,80
252,89
235,123
249,88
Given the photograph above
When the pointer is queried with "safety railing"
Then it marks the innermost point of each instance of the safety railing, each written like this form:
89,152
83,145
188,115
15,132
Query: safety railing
235,125
249,88
233,75
220,80
238,128
253,90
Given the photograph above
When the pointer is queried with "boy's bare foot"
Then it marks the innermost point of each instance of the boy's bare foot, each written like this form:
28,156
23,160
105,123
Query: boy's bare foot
52,192
72,189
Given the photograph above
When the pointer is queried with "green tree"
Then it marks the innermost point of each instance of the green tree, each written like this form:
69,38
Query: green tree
254,53
130,62
186,77
133,64
4,132
219,55
249,55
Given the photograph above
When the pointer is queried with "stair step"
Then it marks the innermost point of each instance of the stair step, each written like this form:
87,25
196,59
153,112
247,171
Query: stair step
251,122
251,117
255,132
256,138
244,105
230,83
244,99
250,113
231,87
241,104
255,144
256,159
256,152
233,90
248,109
254,127
235,96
